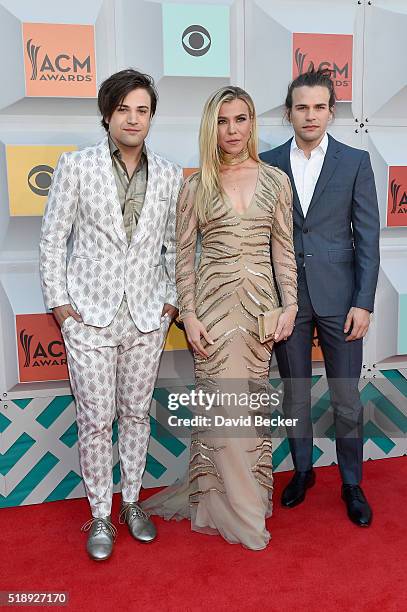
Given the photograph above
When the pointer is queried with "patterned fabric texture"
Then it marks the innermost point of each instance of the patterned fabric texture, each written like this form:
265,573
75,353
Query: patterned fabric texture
112,371
102,266
228,489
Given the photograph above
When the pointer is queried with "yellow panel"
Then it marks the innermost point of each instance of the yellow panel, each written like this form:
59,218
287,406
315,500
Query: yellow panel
176,339
29,173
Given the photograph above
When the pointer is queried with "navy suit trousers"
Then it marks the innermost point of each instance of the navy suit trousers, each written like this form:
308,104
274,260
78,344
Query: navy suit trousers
343,363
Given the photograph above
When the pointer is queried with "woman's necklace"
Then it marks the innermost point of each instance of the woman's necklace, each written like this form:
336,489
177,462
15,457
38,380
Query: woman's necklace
232,160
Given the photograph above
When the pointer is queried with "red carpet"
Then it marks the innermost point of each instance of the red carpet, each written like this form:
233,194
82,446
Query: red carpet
317,560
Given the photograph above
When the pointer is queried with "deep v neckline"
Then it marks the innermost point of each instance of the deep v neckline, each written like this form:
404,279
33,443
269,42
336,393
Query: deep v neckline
227,197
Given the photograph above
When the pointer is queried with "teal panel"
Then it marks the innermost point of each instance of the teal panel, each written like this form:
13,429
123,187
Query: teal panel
396,379
22,403
330,432
274,415
154,467
54,410
65,487
201,51
316,453
320,407
4,423
372,394
15,452
116,473
378,437
166,438
275,382
70,437
115,432
29,482
280,453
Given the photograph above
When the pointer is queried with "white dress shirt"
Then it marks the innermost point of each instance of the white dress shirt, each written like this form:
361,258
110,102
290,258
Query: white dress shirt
306,171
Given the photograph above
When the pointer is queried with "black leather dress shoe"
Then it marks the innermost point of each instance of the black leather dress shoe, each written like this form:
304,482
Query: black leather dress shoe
294,493
357,505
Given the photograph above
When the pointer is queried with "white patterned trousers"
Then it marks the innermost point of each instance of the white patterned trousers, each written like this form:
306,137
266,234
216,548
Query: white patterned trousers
113,371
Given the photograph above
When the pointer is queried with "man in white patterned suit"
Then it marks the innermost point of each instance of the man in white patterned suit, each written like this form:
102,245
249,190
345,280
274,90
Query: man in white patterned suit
115,295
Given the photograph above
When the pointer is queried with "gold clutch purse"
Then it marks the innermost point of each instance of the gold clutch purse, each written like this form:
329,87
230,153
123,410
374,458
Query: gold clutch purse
268,323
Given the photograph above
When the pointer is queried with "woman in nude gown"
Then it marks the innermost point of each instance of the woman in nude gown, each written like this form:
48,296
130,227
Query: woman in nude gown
243,211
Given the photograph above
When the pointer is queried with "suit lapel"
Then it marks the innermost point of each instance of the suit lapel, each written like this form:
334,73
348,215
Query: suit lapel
104,162
150,199
332,157
285,164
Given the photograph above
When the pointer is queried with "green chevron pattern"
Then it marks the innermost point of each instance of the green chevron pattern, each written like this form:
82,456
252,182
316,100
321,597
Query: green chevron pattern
39,459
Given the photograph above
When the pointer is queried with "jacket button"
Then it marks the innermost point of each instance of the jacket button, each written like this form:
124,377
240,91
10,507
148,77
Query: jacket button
300,254
305,230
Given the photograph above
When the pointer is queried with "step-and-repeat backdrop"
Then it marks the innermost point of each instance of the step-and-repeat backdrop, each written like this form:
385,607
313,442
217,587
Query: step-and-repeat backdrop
55,54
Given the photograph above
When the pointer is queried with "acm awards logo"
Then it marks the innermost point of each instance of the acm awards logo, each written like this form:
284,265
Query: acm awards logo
196,40
397,197
39,354
62,67
59,60
41,351
340,75
326,51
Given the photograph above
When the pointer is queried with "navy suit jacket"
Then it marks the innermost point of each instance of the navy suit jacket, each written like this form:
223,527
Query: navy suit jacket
338,241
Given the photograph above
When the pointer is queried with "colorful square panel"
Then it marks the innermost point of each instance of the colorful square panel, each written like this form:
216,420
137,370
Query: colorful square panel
29,174
196,40
331,51
397,197
59,60
41,351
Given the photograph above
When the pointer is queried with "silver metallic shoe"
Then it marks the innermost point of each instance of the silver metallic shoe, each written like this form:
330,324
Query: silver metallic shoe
101,537
138,521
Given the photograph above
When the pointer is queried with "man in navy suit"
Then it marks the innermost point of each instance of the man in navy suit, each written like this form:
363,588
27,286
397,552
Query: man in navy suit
336,238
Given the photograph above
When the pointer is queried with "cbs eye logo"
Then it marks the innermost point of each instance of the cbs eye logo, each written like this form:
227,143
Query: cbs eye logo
39,179
196,40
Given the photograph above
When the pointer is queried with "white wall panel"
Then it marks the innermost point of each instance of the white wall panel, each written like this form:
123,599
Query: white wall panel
385,74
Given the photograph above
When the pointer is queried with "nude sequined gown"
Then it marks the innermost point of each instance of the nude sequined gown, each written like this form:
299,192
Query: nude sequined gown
229,484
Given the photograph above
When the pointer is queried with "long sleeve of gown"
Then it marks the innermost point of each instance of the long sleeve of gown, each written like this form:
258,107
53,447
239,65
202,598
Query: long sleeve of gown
186,235
282,246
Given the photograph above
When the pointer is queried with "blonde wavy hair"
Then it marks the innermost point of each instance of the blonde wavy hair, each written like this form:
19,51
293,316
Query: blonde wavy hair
209,185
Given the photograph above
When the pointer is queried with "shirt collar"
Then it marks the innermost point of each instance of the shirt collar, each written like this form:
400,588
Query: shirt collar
323,145
115,151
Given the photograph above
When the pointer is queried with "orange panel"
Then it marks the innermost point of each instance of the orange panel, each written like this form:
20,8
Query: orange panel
59,60
189,171
41,350
397,197
333,51
316,348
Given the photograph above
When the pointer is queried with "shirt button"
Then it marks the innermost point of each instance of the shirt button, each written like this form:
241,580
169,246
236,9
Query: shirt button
305,230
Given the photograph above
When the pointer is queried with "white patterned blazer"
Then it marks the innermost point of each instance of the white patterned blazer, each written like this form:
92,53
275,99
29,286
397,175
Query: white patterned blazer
83,199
